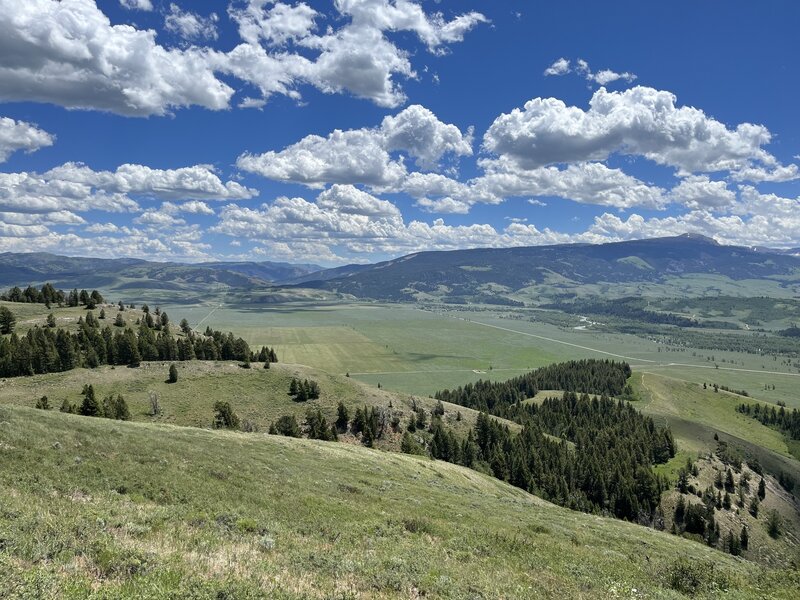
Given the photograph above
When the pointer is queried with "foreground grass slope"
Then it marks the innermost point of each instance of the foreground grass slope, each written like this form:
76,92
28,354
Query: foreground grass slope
94,508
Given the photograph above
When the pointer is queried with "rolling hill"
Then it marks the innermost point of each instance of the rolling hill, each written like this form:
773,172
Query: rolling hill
130,273
97,509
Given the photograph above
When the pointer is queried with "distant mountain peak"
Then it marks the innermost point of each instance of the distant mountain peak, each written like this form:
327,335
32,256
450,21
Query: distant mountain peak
695,237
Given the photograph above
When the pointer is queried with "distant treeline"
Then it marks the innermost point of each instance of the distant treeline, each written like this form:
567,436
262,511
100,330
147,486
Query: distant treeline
50,295
781,419
496,397
633,309
50,349
608,471
483,299
753,343
793,331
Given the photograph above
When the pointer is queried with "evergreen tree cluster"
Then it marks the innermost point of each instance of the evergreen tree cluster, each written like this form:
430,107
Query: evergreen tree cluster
781,419
49,349
726,494
496,397
49,295
111,407
302,390
316,427
369,422
607,470
265,355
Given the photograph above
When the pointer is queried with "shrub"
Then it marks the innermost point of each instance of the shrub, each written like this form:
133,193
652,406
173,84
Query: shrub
173,374
224,417
287,425
774,524
693,577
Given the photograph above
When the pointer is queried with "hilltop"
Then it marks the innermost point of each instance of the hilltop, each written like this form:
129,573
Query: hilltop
93,508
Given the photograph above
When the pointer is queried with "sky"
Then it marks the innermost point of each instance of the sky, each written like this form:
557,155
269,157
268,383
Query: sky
352,131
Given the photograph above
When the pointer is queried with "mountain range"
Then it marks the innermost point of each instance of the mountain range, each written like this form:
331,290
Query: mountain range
476,275
480,273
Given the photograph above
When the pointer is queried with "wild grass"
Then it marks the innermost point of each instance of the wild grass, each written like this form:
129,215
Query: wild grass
91,508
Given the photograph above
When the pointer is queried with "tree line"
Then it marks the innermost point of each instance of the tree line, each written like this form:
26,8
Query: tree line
781,419
498,397
50,295
55,349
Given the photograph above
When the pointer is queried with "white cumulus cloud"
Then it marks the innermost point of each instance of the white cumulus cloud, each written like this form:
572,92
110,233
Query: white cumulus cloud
189,25
19,135
640,121
363,156
68,53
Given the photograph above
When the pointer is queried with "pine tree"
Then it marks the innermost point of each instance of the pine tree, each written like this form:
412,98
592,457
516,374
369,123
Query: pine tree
7,320
421,419
367,437
342,417
754,506
119,321
774,524
89,407
288,426
733,544
680,510
729,482
43,403
293,387
51,320
762,489
744,538
173,374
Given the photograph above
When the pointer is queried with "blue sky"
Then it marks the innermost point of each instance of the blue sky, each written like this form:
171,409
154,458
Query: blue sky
358,130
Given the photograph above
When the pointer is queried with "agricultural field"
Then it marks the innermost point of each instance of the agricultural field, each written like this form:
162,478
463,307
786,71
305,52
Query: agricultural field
417,351
399,346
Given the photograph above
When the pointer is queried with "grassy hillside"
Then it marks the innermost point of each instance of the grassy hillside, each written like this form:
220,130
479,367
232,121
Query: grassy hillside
695,415
94,508
783,550
32,315
257,394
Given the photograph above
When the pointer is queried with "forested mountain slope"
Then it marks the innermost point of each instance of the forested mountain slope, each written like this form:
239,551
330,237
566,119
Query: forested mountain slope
471,274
